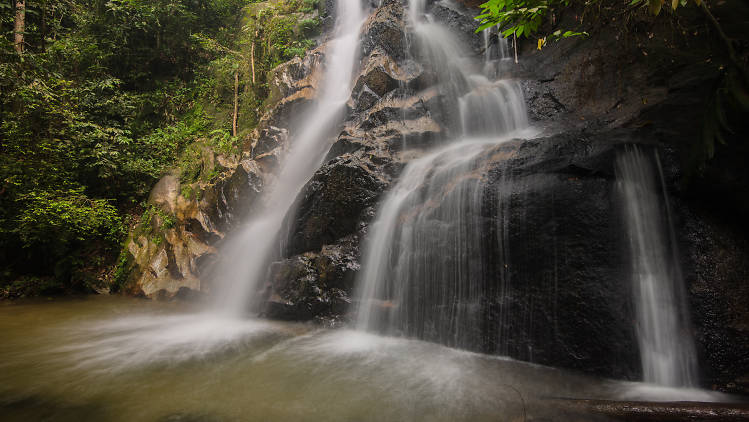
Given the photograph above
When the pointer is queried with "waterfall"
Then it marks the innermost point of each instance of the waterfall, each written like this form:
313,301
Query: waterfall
665,341
248,252
494,53
422,272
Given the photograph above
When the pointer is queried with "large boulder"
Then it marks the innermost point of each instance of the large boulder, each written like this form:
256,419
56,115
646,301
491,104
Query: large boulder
553,248
335,201
313,285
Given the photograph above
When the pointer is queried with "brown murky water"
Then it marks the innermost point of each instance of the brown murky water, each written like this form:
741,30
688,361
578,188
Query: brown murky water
119,359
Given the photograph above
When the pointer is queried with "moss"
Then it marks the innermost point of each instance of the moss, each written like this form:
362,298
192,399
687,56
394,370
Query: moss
122,270
154,214
188,191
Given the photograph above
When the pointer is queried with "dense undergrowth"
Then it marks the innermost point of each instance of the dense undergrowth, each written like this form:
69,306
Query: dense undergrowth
108,96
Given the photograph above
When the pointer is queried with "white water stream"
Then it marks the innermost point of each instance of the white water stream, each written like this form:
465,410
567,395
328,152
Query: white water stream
421,274
247,253
665,339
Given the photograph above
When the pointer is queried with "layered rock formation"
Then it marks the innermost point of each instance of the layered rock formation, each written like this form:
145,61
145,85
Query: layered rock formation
568,299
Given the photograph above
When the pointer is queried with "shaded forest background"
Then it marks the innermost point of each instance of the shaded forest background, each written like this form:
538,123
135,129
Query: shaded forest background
101,99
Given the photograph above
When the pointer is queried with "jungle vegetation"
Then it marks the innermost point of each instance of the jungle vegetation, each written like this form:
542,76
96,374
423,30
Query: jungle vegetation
101,98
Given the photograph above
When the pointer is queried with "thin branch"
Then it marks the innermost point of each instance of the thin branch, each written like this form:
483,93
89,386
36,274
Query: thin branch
727,41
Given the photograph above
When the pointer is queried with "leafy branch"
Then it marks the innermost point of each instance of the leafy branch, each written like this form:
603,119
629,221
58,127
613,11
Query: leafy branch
522,17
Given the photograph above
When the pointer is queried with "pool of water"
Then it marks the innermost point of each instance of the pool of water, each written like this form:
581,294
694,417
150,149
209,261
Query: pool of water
121,359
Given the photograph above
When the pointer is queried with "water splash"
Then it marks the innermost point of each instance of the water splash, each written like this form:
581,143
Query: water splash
665,340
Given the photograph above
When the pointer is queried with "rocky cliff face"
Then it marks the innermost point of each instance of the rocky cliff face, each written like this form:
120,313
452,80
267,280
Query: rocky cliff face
166,259
653,86
570,286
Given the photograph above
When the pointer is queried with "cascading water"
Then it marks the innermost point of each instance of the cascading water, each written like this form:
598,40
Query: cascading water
425,274
666,345
422,271
247,253
496,51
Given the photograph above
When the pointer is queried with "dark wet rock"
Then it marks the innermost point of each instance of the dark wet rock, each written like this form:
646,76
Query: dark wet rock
715,257
332,203
365,98
549,259
542,104
461,19
619,79
270,138
313,285
295,75
419,133
194,227
385,29
286,111
560,293
393,108
563,299
381,74
399,120
189,295
230,199
346,143
659,82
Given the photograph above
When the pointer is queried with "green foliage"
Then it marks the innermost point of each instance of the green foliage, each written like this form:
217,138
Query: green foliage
28,286
223,141
521,17
188,191
524,17
190,164
109,96
163,220
655,6
308,6
153,223
52,220
121,271
103,101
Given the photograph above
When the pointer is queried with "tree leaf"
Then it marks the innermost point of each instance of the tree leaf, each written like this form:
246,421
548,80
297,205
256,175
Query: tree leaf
655,7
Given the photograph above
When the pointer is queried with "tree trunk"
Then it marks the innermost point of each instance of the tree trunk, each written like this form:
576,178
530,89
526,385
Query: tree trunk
252,59
236,103
20,25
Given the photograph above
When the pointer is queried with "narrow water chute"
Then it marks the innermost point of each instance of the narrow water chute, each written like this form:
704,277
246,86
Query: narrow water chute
665,340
